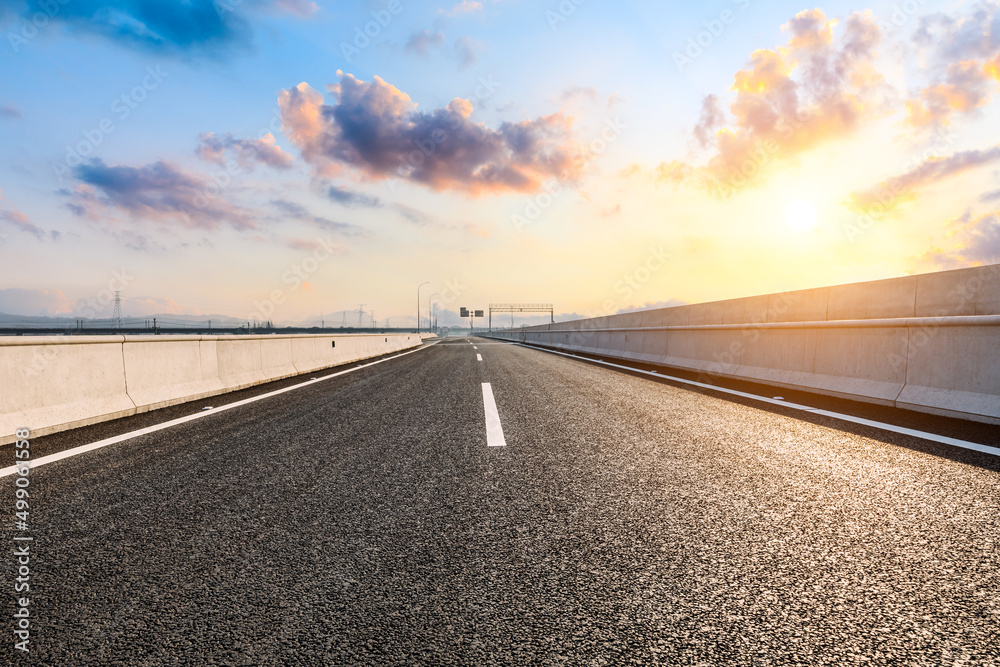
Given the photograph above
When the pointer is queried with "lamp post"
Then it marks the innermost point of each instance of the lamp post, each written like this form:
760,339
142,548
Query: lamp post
418,303
430,324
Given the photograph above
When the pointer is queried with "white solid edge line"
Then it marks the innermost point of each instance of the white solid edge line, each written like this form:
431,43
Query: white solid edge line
479,357
943,439
82,449
494,431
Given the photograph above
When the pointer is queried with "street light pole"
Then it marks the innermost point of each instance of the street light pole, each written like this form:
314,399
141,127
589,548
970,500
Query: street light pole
430,324
418,303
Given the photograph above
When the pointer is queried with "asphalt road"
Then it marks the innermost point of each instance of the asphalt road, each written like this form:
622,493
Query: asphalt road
364,520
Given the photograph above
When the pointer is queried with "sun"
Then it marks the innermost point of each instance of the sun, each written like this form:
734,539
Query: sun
801,215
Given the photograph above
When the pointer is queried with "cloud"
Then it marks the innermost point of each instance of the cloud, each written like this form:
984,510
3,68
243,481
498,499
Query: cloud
159,191
963,55
422,42
815,89
247,152
22,222
313,245
299,212
303,9
34,302
415,216
465,50
952,37
588,93
967,86
352,199
376,130
207,26
464,7
904,187
981,240
194,25
304,123
712,118
9,112
670,173
976,242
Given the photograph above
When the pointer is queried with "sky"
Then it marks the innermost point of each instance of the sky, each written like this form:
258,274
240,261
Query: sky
286,160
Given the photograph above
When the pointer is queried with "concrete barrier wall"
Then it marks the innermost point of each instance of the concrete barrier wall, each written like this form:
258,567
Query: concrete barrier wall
929,342
80,381
54,383
240,365
160,372
953,371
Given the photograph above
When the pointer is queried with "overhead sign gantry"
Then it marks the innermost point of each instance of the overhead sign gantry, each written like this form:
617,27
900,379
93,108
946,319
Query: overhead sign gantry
522,308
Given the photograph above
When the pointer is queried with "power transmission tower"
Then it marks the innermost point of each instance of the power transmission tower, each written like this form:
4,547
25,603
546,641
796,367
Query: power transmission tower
116,316
361,314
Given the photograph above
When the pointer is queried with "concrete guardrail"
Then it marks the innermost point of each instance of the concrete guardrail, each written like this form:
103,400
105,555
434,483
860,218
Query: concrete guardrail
55,383
929,343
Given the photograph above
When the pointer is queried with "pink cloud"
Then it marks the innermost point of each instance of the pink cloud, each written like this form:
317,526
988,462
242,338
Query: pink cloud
376,130
247,153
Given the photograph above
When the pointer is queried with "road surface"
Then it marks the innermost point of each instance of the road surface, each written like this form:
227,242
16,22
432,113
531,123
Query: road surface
620,519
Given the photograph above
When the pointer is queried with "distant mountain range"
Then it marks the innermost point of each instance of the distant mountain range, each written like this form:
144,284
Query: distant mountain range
8,320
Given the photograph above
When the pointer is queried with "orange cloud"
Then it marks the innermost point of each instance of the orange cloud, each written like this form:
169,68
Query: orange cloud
967,86
816,88
992,68
304,124
811,31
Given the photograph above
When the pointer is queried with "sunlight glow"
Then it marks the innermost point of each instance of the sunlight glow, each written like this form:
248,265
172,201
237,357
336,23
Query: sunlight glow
801,215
